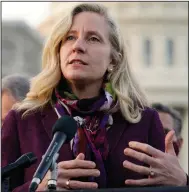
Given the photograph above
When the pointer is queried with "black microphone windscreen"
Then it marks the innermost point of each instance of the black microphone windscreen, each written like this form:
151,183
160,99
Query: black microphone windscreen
27,159
67,125
31,157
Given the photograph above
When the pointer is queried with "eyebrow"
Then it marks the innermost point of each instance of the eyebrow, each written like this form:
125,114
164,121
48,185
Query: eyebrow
91,32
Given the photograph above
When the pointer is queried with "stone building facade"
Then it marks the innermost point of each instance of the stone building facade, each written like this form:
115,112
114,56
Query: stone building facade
21,49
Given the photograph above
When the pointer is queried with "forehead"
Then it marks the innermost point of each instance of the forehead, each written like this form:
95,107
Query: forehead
90,21
167,120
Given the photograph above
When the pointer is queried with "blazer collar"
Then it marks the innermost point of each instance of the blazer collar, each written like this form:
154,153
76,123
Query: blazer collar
49,117
114,134
116,131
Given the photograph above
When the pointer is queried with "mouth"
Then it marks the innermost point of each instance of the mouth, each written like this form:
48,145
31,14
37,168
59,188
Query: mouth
77,61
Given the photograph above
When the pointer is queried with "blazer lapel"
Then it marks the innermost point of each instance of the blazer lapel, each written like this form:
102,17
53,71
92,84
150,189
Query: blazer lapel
49,118
115,132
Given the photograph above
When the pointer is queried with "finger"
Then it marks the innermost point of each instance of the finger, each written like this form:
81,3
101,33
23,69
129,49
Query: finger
143,182
81,156
77,163
140,156
61,189
73,184
83,185
169,143
74,173
136,168
146,148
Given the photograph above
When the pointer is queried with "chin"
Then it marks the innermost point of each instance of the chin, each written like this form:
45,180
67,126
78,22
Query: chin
76,77
79,77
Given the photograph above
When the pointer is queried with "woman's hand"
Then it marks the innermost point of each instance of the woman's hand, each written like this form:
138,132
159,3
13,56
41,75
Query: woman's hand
164,167
69,171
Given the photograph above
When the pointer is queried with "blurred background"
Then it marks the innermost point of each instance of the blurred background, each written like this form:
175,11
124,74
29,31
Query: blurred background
156,34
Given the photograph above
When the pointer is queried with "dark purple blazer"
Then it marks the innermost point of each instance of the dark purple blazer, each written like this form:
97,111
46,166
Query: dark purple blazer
33,134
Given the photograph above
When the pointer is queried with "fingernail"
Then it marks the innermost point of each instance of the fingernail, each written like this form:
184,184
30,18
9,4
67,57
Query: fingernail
125,163
98,173
126,151
93,164
131,144
95,185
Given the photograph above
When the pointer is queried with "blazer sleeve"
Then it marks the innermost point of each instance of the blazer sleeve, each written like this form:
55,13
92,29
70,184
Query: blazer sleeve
156,133
10,146
9,140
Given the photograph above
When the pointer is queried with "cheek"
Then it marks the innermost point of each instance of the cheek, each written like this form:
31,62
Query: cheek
102,59
63,61
63,56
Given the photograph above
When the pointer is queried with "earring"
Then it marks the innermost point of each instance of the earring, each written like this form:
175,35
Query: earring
110,70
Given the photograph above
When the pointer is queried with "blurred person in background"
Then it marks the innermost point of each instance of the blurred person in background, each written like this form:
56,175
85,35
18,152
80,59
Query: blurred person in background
86,74
14,89
171,120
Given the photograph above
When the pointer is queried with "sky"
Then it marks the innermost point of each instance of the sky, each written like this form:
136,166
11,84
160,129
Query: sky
32,12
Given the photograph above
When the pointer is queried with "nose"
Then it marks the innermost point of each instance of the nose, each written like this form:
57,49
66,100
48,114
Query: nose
79,46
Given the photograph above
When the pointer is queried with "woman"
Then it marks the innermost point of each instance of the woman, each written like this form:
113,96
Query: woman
85,75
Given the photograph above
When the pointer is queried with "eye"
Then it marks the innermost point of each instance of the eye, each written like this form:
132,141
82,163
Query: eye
70,38
94,39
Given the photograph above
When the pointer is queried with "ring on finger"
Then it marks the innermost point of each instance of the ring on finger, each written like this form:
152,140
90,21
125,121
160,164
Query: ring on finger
151,173
68,184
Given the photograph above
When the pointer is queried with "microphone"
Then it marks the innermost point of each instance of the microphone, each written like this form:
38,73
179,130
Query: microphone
63,130
24,161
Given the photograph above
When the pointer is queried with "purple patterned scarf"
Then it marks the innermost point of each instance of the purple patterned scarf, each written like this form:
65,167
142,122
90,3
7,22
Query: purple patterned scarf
93,118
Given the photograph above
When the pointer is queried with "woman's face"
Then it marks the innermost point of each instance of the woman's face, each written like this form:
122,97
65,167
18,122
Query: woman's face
85,53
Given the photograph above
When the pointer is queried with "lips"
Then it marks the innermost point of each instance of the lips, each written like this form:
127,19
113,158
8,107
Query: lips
77,61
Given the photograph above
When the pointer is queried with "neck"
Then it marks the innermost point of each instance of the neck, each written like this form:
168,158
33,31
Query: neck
86,91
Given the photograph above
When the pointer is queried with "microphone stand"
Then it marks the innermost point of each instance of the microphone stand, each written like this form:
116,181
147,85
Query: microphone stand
52,182
5,184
